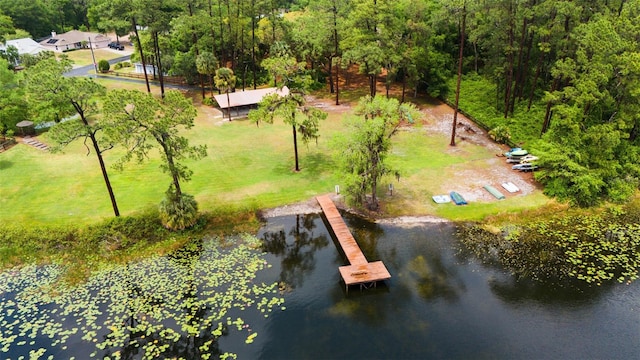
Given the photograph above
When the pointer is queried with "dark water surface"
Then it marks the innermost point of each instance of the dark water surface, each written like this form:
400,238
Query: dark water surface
438,304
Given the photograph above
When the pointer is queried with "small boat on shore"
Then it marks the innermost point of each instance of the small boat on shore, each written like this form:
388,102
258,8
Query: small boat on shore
441,199
493,191
516,152
510,187
457,198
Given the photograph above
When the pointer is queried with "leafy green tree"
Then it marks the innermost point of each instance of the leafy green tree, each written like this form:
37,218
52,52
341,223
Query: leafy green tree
23,14
6,27
225,81
142,122
594,118
363,148
13,104
53,96
206,63
318,36
361,42
112,15
184,64
291,106
104,66
28,60
11,55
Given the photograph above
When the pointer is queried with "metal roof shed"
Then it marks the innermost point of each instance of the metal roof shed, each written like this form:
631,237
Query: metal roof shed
244,100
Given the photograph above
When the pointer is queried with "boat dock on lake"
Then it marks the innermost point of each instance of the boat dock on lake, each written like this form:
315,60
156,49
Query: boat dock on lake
359,271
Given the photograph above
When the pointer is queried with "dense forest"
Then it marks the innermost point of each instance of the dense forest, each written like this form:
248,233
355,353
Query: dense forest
559,76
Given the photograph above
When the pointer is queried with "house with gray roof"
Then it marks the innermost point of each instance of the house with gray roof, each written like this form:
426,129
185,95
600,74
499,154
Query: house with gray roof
75,39
24,46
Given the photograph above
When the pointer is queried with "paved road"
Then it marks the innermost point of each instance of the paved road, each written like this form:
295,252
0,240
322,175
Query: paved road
85,70
89,71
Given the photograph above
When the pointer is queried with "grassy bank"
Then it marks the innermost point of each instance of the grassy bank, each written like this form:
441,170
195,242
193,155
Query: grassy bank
247,168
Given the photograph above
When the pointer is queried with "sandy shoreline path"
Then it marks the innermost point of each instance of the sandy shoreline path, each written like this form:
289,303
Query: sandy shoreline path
312,207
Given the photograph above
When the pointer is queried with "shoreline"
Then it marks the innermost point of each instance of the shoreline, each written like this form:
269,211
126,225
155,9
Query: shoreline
312,207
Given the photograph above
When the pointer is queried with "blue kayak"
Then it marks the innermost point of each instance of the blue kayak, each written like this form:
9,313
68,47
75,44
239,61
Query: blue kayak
457,198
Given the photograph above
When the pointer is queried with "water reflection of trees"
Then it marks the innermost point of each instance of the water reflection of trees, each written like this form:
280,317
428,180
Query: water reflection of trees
528,272
296,248
515,291
418,263
366,234
196,341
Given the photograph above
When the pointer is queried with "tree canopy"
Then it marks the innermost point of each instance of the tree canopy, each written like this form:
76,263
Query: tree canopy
362,149
559,76
70,103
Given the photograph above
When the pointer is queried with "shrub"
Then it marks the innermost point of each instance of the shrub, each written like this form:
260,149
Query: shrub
178,212
117,66
209,102
103,66
500,134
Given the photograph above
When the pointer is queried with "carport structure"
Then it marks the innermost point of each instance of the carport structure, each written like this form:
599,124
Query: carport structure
243,101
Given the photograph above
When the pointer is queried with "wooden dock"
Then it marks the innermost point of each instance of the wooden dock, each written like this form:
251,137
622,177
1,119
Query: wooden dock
360,271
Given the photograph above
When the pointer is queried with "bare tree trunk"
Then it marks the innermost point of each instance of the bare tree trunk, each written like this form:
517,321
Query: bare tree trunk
103,168
336,49
213,33
295,146
525,68
194,39
332,89
156,46
338,81
547,115
223,58
519,75
404,85
535,80
144,65
455,111
509,75
228,104
253,42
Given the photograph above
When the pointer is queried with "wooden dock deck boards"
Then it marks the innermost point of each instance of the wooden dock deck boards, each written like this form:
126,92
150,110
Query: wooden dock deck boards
360,271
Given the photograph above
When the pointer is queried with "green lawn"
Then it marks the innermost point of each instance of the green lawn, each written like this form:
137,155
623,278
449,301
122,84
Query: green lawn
247,167
84,57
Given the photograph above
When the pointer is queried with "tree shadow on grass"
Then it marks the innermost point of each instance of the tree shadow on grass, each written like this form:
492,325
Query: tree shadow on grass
315,164
311,165
5,164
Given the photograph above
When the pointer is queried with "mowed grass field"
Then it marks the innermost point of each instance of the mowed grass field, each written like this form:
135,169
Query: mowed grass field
247,168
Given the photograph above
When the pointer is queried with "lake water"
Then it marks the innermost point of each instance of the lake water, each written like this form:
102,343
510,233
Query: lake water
439,304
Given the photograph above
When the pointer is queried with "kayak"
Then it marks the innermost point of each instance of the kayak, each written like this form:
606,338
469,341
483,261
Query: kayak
457,198
516,153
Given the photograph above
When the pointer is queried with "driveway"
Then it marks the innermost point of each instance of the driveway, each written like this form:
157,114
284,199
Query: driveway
85,70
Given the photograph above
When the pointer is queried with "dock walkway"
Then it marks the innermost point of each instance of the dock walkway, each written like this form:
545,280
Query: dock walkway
360,271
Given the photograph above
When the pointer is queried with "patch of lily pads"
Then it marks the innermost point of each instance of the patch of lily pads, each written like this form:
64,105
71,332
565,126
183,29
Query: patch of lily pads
174,306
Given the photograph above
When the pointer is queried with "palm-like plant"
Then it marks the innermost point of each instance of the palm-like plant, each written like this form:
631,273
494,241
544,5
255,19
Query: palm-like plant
225,81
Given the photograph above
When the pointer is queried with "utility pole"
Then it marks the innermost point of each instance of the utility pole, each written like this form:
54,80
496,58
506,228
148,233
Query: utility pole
93,56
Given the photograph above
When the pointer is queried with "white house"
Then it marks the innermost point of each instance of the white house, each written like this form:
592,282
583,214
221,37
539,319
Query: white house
24,46
75,39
